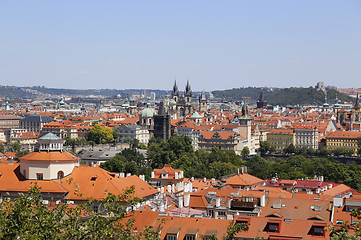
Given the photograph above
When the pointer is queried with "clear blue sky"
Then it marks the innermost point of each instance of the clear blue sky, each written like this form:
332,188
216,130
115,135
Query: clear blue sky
147,44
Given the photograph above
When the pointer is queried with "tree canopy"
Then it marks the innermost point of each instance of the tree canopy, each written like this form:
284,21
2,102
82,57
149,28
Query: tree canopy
101,135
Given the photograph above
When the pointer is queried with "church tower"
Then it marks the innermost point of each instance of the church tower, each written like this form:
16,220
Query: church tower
244,127
175,92
203,102
356,110
188,99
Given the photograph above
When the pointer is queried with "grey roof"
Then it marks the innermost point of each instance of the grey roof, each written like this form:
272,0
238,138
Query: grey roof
37,118
50,137
99,154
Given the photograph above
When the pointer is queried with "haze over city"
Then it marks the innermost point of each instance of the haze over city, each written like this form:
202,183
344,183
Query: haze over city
147,44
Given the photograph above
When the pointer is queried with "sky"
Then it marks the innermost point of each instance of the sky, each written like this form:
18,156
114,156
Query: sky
149,44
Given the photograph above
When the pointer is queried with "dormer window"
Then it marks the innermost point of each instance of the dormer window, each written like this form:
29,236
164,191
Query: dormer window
318,229
273,226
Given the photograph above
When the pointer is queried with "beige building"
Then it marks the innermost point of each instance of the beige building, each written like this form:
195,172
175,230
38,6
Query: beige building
223,140
281,138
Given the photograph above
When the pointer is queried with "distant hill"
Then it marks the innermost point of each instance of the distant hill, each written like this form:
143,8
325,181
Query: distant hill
285,96
103,92
14,92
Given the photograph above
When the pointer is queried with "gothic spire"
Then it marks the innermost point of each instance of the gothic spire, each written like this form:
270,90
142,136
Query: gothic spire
175,88
188,89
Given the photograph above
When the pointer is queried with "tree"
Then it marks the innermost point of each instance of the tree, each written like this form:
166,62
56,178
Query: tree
115,164
100,135
127,140
2,148
290,149
264,147
29,217
14,147
245,151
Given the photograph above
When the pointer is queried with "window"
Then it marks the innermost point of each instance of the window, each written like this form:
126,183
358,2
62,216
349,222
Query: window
171,237
222,213
190,237
60,174
317,231
95,208
39,176
272,227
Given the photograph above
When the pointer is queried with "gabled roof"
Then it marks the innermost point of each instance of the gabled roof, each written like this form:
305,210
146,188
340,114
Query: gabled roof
244,179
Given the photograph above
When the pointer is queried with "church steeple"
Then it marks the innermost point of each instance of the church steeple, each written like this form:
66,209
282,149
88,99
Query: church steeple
357,104
188,92
175,91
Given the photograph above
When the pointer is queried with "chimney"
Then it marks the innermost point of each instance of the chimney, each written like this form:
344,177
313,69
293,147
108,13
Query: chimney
153,175
175,175
190,187
121,174
263,200
213,181
185,187
180,202
204,179
330,185
192,179
162,190
218,202
242,170
187,198
173,188
245,169
129,174
181,174
169,188
142,177
237,171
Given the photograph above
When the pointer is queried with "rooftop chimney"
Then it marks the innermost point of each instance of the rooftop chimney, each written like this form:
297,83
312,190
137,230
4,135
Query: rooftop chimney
187,198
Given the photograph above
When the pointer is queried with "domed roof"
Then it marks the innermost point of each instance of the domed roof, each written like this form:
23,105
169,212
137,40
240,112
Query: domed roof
148,112
172,102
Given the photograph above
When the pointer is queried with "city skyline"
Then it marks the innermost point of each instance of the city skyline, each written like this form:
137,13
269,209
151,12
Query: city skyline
147,45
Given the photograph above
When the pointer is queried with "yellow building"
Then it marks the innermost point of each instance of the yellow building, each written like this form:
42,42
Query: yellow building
347,139
281,138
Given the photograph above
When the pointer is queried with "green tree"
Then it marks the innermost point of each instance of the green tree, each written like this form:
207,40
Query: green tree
245,152
100,135
2,148
14,147
115,164
290,149
29,218
219,169
127,140
258,167
264,147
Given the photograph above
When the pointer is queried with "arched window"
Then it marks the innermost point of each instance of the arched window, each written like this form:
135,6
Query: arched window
60,174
